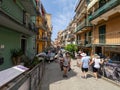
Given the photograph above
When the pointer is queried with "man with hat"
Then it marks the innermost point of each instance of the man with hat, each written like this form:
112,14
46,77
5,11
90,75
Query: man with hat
84,64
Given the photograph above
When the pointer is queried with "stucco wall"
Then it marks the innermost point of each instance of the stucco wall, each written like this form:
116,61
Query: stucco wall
112,31
10,40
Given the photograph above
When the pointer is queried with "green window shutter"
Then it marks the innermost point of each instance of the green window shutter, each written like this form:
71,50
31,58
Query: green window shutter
102,31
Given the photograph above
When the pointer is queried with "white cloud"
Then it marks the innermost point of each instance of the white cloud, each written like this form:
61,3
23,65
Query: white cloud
62,12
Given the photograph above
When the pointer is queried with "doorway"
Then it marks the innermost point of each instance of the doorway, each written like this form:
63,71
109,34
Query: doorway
23,44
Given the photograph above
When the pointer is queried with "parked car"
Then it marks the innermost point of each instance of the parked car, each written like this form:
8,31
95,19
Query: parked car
41,56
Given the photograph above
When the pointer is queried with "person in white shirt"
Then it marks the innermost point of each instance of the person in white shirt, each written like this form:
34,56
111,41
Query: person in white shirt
97,61
85,60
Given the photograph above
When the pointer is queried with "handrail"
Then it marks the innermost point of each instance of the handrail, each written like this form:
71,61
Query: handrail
30,77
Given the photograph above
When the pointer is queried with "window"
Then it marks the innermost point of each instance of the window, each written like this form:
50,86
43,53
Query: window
102,31
89,37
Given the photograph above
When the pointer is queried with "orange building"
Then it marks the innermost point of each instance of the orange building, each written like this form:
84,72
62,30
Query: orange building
44,30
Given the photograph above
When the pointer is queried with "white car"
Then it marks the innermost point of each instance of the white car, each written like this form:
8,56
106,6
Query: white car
41,55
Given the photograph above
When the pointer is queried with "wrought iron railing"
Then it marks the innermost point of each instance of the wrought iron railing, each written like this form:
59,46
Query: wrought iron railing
85,23
29,80
109,5
111,38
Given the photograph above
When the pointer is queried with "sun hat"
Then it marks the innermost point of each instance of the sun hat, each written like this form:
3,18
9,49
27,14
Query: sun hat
95,55
83,54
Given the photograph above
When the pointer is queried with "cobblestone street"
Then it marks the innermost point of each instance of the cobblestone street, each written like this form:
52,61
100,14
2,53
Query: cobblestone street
53,80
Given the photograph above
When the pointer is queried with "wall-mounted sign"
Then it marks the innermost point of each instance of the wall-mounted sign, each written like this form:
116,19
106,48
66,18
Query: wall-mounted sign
2,46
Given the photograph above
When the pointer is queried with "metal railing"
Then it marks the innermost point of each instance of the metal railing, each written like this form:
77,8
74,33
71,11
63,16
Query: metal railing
30,80
85,23
111,38
109,5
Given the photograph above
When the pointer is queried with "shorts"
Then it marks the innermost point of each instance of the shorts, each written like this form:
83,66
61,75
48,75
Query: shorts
95,69
65,66
84,69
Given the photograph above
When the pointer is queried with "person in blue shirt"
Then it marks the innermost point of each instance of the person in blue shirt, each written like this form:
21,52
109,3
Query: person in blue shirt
85,60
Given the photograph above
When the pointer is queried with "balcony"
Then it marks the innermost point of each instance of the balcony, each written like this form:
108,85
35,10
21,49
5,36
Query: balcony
88,42
84,25
39,25
30,6
79,42
111,38
43,38
18,78
32,27
110,8
10,8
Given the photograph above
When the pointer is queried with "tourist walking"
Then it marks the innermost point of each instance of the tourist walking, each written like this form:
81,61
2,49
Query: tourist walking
85,60
66,64
48,56
96,61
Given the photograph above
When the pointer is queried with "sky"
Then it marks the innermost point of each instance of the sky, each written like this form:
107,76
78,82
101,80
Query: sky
62,12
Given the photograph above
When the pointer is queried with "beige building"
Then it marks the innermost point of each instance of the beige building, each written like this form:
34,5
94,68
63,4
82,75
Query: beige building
83,29
43,24
67,36
49,32
105,17
98,27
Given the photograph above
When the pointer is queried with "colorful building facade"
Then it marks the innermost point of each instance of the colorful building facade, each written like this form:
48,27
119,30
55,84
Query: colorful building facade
43,24
17,29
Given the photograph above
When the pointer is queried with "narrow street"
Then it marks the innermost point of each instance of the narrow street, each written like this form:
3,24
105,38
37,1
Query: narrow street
53,80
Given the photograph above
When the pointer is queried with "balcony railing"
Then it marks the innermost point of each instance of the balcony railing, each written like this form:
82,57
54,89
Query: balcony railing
29,80
32,27
85,23
111,38
84,42
109,5
30,6
80,26
43,38
40,25
79,42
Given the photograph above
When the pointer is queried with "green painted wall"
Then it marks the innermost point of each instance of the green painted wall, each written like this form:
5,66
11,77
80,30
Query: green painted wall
31,46
10,40
13,9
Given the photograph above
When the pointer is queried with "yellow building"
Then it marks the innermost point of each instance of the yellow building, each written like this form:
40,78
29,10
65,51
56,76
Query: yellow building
98,26
49,31
43,29
106,27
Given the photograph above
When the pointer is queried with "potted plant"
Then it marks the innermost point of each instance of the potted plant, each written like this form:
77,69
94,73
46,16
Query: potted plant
16,56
